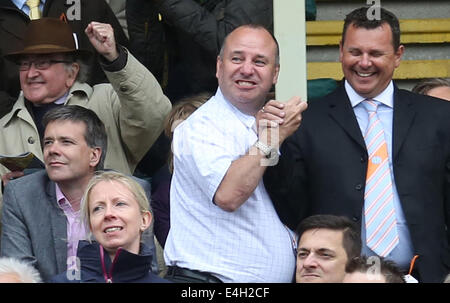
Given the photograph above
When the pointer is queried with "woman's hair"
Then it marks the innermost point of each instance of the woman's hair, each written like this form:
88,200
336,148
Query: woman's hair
112,176
180,112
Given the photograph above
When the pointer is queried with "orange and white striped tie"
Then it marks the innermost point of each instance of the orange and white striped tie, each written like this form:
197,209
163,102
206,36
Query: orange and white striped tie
379,211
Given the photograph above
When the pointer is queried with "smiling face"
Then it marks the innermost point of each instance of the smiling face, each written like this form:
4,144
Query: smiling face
115,217
67,156
369,59
247,69
321,257
42,86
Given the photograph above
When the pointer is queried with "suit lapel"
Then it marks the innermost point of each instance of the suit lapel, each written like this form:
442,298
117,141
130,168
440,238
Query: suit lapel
58,226
404,113
341,111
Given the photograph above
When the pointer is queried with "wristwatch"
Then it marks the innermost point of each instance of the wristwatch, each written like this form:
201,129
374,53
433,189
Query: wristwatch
267,150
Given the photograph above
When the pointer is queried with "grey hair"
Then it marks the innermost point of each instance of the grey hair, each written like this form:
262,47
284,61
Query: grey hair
424,86
24,271
84,68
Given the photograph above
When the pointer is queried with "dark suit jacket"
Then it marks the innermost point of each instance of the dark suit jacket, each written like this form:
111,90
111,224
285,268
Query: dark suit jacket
34,227
323,166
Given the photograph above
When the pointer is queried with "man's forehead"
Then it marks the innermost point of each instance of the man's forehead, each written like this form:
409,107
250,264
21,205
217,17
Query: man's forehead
321,238
57,124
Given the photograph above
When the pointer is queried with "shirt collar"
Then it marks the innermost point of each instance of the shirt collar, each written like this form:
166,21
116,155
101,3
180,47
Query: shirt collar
247,120
60,198
386,97
21,3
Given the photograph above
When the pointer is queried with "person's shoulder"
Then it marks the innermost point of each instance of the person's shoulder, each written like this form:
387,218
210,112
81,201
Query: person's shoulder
32,180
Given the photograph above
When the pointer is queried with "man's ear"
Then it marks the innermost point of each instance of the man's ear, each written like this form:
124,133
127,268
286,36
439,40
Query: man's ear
72,74
218,66
96,154
398,55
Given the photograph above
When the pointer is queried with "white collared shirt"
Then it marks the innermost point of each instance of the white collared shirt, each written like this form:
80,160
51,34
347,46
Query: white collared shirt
247,245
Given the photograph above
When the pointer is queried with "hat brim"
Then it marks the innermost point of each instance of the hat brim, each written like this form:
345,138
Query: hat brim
15,56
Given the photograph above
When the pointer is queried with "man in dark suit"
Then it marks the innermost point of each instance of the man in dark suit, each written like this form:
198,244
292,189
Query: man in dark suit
41,212
323,166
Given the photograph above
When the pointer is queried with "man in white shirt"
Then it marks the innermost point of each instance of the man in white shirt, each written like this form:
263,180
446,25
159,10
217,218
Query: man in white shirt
223,224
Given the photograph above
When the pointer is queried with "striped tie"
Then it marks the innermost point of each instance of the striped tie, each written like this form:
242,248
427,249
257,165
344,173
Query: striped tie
34,9
379,211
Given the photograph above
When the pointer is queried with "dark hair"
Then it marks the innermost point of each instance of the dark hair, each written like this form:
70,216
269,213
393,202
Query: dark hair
424,86
358,18
255,26
95,134
387,268
351,235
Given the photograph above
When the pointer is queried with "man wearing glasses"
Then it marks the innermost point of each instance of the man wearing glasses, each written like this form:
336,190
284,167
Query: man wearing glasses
52,74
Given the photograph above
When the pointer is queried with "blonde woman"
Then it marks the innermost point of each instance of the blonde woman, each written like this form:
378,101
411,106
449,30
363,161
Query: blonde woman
116,212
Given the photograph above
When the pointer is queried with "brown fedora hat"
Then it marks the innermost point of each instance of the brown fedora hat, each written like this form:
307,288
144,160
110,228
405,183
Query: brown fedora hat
47,36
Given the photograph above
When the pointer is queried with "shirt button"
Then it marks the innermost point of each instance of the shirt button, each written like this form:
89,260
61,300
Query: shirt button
31,140
123,88
358,186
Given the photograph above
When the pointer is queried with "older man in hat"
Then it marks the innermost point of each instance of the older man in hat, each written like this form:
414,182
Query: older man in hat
132,107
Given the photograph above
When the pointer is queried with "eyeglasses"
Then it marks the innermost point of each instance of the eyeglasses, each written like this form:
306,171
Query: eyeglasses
40,64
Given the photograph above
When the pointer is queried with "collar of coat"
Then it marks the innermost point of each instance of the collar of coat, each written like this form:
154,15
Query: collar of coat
83,90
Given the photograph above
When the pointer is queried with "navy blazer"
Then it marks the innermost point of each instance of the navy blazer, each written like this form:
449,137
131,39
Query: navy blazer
127,267
323,165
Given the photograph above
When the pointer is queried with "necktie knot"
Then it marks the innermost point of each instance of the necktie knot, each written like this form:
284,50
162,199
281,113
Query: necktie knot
370,105
34,9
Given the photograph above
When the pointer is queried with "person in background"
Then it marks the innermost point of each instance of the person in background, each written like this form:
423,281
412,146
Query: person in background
161,180
326,244
372,270
436,87
116,212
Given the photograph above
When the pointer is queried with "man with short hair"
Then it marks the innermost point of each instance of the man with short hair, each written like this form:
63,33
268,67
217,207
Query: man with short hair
223,224
132,107
326,244
41,212
373,152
